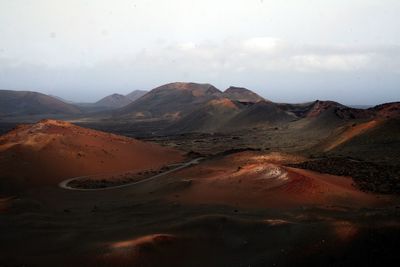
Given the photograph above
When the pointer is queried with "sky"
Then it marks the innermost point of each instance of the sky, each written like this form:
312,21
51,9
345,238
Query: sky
286,50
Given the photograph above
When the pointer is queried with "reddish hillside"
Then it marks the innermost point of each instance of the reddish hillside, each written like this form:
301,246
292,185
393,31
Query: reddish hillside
375,139
50,151
342,136
260,180
361,133
388,110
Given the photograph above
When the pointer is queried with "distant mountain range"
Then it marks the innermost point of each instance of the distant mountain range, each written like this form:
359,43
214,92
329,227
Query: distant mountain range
134,95
22,103
193,107
113,101
185,108
28,103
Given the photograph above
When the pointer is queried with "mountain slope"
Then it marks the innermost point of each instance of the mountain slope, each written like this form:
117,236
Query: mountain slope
134,95
361,133
113,101
387,110
170,101
370,140
320,107
326,116
224,115
32,103
242,95
260,113
210,117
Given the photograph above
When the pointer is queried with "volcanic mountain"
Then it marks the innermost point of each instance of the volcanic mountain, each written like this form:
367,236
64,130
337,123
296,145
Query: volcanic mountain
170,101
367,138
50,151
242,95
193,107
362,133
134,95
387,110
113,101
14,103
325,116
320,108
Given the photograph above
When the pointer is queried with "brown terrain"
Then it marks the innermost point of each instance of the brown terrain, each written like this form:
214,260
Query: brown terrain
256,180
51,151
216,179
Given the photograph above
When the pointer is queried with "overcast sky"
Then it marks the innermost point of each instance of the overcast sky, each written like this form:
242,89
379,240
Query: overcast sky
285,50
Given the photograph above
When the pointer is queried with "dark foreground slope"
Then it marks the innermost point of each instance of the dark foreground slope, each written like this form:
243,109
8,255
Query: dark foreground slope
244,209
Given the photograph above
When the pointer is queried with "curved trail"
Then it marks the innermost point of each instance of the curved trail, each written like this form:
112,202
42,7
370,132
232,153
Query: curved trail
64,184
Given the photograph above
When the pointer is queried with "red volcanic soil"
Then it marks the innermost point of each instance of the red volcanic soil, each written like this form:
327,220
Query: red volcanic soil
223,102
321,106
388,110
138,251
351,132
253,181
4,204
50,151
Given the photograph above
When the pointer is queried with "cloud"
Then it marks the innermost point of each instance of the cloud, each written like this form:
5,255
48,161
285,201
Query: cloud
271,54
259,54
263,45
331,62
187,46
265,62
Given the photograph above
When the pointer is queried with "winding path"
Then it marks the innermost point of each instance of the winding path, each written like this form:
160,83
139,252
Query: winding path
64,184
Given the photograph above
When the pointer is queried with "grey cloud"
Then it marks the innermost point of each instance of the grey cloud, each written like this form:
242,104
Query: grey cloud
275,68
